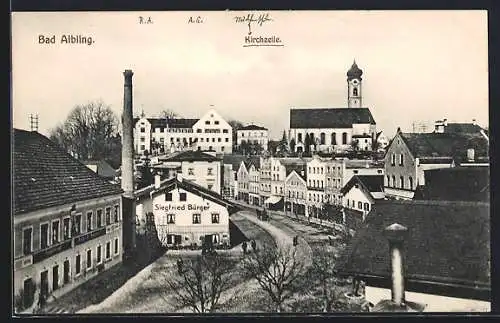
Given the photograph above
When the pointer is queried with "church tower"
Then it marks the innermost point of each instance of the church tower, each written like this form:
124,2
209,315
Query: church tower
354,86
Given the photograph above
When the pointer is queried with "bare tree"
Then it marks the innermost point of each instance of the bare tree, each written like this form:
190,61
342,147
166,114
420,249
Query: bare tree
277,271
168,113
89,132
200,282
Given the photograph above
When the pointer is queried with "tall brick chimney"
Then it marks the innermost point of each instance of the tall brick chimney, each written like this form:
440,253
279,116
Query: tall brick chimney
127,180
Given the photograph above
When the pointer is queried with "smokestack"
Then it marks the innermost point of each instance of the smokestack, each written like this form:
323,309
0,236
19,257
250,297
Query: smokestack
127,139
396,234
128,207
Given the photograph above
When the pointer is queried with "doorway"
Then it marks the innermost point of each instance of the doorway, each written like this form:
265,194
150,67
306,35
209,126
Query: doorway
44,283
55,277
28,292
66,273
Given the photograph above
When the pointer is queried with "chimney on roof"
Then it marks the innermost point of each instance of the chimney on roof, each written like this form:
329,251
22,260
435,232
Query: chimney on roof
445,122
439,126
396,234
470,154
474,122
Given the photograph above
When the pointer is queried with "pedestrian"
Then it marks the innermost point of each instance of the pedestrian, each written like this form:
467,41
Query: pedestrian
295,241
244,247
254,245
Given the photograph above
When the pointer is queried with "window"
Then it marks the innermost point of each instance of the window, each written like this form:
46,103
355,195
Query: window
89,258
299,137
196,218
143,147
402,182
78,264
190,171
213,139
215,217
143,139
198,130
108,216
367,207
143,129
355,171
353,203
225,131
27,240
168,197
55,231
219,139
89,221
182,197
170,218
210,171
344,138
99,254
393,181
207,122
355,91
108,249
401,160
227,139
116,213
116,246
393,159
388,181
410,183
44,235
322,138
99,218
210,186
162,140
66,229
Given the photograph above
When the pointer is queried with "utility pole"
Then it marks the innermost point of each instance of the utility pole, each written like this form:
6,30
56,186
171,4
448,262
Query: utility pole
34,122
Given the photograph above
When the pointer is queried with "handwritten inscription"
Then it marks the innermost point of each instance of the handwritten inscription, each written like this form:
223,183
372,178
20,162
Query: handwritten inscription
197,20
251,18
145,20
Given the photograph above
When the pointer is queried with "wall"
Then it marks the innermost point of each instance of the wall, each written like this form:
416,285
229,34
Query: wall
191,233
142,123
214,129
261,136
406,170
357,195
435,303
200,174
295,192
328,137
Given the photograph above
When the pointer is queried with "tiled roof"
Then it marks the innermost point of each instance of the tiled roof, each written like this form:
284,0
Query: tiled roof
445,144
370,183
170,122
301,170
234,160
329,117
462,128
252,160
46,176
456,184
191,155
448,243
103,168
252,127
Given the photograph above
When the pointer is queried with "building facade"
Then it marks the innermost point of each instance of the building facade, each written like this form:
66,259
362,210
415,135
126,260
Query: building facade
213,133
265,179
253,134
254,185
60,240
243,182
316,179
296,193
185,214
362,191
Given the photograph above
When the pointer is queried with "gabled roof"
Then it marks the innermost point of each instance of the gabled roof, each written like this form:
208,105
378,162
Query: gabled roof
252,127
456,184
368,183
234,160
299,169
191,155
298,173
329,117
103,168
189,186
252,160
445,144
46,176
448,244
169,122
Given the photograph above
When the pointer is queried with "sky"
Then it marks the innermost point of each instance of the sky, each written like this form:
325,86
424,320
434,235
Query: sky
418,66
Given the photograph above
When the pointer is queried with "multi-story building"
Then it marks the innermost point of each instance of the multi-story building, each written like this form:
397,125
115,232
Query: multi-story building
335,129
160,135
278,176
229,181
209,133
362,191
316,183
243,182
410,154
265,179
202,168
253,134
214,133
296,192
185,214
340,170
254,184
67,220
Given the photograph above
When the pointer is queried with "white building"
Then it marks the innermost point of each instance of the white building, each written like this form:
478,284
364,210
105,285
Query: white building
214,133
185,214
316,185
163,135
362,191
253,134
254,185
199,167
335,129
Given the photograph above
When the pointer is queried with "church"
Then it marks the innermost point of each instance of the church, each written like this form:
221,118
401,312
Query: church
335,129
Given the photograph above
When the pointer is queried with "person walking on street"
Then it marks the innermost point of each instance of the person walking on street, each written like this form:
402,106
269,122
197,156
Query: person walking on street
244,247
254,245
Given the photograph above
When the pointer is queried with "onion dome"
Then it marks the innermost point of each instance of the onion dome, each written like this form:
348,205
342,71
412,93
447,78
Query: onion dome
354,72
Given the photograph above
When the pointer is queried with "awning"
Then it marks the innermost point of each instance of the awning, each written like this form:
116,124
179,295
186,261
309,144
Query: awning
273,199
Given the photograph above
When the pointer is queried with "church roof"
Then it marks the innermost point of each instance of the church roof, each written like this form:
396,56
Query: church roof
354,72
329,117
